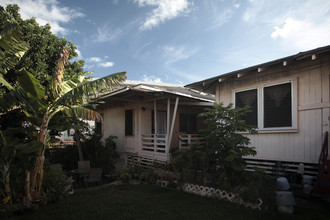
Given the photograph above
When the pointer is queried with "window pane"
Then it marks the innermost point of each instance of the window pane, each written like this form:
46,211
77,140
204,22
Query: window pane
129,122
278,106
248,98
183,123
188,123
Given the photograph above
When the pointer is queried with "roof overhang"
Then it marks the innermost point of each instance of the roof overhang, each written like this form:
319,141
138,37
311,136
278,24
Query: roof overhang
209,85
147,93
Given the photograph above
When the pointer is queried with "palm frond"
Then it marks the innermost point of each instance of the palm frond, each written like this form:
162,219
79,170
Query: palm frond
56,85
11,49
81,112
30,84
91,90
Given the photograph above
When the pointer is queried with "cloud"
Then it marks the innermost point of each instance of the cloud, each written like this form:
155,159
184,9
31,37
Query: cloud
174,54
105,34
148,78
45,12
301,34
106,64
98,61
165,10
94,59
296,25
219,14
221,18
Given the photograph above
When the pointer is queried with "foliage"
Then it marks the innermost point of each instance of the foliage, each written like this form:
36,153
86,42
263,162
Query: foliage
225,148
45,48
14,157
188,158
146,175
257,185
54,183
67,156
126,173
225,145
41,88
100,154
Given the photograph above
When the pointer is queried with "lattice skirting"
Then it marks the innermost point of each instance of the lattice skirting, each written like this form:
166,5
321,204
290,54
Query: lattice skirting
219,194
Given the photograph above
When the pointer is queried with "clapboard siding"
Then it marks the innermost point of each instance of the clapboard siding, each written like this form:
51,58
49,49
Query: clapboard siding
303,143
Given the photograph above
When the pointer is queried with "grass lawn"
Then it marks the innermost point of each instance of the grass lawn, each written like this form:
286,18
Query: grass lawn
153,202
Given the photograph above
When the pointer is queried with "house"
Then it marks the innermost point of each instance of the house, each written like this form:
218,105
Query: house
152,119
289,98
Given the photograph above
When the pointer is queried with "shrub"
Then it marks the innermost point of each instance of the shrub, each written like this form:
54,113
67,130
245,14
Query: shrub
54,183
101,154
225,145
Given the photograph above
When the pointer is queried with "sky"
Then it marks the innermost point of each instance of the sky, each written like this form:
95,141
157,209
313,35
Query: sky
182,41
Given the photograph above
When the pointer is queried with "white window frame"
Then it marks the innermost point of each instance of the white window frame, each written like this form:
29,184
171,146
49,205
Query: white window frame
260,104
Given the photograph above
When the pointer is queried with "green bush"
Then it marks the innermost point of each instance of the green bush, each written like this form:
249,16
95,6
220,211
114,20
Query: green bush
225,145
101,154
257,185
66,155
54,183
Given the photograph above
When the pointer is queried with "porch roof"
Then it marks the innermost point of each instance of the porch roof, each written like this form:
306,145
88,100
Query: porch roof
136,91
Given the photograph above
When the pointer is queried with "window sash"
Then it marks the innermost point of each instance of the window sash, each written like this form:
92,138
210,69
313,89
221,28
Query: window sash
248,98
277,104
129,122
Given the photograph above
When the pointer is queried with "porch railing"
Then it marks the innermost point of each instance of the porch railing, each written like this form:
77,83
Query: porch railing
155,143
186,140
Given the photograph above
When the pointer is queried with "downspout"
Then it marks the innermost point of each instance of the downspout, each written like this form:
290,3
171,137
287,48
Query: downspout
173,122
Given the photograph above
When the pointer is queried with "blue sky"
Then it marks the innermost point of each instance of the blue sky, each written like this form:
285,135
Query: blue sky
182,41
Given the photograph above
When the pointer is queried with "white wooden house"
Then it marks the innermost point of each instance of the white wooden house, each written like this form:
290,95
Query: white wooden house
152,119
290,104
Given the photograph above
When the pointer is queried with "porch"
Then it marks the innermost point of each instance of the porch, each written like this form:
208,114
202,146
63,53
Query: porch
158,143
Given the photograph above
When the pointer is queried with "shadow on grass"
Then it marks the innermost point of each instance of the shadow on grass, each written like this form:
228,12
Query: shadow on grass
152,202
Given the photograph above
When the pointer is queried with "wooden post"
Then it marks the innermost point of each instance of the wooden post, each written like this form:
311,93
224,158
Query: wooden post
168,122
173,122
155,124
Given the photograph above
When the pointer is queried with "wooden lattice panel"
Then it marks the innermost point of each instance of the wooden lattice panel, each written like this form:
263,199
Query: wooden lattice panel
219,194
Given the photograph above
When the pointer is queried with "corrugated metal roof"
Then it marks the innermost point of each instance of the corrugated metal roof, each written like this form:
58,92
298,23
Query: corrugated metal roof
136,91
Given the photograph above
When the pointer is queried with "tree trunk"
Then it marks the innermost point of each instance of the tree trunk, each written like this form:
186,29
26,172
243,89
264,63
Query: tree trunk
37,172
5,181
77,139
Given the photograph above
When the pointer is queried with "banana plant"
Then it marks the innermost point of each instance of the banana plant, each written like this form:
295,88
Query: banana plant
11,51
11,149
40,105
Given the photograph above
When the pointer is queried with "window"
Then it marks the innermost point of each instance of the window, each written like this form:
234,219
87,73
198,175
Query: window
248,98
188,123
277,106
98,126
273,107
161,122
129,122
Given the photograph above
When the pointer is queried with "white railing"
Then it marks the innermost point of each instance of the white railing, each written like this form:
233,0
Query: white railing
186,140
155,143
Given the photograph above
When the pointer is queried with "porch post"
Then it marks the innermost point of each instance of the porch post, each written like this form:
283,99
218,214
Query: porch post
155,123
168,119
172,125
